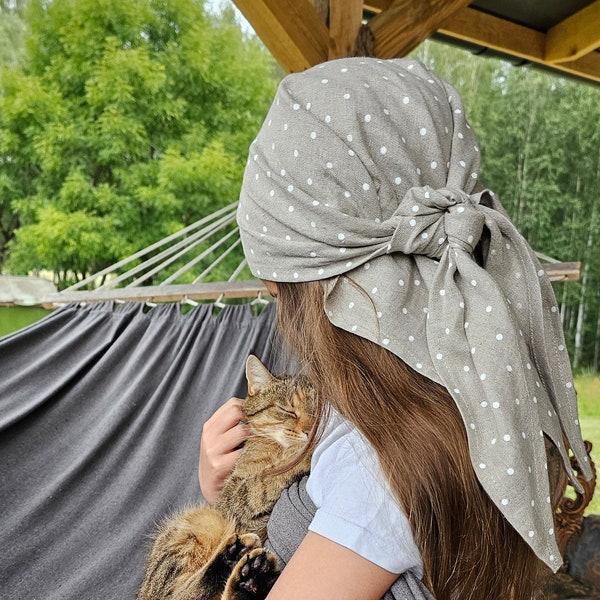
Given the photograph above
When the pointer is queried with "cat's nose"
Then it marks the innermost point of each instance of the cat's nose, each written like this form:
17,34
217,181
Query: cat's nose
306,426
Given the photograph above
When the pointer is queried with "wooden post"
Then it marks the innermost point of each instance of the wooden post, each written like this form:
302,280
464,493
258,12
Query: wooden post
345,17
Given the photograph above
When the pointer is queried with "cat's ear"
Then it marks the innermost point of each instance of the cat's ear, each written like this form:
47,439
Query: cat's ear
257,375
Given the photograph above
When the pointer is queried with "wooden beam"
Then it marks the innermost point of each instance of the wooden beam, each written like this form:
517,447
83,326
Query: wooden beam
587,66
161,293
493,32
574,37
471,25
223,289
292,30
563,271
406,23
345,17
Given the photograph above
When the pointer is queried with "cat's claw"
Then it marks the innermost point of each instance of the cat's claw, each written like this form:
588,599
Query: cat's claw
239,546
258,572
260,565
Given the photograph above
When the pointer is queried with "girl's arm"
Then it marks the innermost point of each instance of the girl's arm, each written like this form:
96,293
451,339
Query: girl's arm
321,569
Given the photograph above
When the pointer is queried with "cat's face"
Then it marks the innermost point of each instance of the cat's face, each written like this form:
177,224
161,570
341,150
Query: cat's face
282,409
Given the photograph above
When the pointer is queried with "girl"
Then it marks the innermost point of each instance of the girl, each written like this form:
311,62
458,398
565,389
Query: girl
429,329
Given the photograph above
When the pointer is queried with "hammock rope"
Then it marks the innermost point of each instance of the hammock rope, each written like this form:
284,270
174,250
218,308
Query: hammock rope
158,257
195,234
127,284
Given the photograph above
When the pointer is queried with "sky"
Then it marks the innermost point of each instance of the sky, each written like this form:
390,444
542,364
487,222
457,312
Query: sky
217,5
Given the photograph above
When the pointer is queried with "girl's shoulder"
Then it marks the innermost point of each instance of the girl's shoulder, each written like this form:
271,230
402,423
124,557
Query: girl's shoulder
355,505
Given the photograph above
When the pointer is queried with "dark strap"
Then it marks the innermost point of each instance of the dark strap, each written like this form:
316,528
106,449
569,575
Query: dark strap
289,524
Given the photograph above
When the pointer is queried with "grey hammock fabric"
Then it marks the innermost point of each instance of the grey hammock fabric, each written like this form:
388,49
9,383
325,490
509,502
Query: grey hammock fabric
101,410
289,523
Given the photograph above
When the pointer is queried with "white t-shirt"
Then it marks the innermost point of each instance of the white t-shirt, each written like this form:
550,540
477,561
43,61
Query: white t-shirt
355,505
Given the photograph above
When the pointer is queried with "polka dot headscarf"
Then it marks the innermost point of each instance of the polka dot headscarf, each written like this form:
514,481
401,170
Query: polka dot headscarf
366,172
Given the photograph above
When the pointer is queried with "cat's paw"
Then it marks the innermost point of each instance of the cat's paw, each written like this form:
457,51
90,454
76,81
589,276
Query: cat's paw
254,575
238,546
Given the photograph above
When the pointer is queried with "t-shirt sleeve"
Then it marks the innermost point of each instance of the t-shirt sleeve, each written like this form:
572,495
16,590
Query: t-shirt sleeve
355,506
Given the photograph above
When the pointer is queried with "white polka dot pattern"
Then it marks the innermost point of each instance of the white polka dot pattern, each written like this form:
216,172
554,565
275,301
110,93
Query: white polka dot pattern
369,168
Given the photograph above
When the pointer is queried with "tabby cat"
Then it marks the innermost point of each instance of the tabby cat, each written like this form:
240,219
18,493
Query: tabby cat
207,553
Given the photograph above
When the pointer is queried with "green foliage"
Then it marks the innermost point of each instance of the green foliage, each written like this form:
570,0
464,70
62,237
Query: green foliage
120,123
58,238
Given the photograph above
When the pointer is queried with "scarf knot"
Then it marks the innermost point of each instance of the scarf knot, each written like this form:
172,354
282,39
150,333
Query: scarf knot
428,220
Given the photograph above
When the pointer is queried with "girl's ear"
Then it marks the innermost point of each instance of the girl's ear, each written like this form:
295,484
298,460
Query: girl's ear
257,375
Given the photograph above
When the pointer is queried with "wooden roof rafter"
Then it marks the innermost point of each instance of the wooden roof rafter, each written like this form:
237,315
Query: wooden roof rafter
293,30
545,49
574,37
406,23
302,33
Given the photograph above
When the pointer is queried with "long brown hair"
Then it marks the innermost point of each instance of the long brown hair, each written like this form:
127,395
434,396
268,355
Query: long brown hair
469,550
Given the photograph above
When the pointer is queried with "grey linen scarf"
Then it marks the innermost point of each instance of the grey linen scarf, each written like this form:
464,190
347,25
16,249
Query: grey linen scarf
365,176
288,524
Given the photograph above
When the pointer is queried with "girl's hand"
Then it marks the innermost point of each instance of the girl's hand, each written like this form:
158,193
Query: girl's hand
220,443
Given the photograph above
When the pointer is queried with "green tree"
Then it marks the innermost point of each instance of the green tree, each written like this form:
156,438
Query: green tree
12,29
120,123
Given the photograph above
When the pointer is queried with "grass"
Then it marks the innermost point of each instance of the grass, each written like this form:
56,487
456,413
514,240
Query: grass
588,393
13,318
